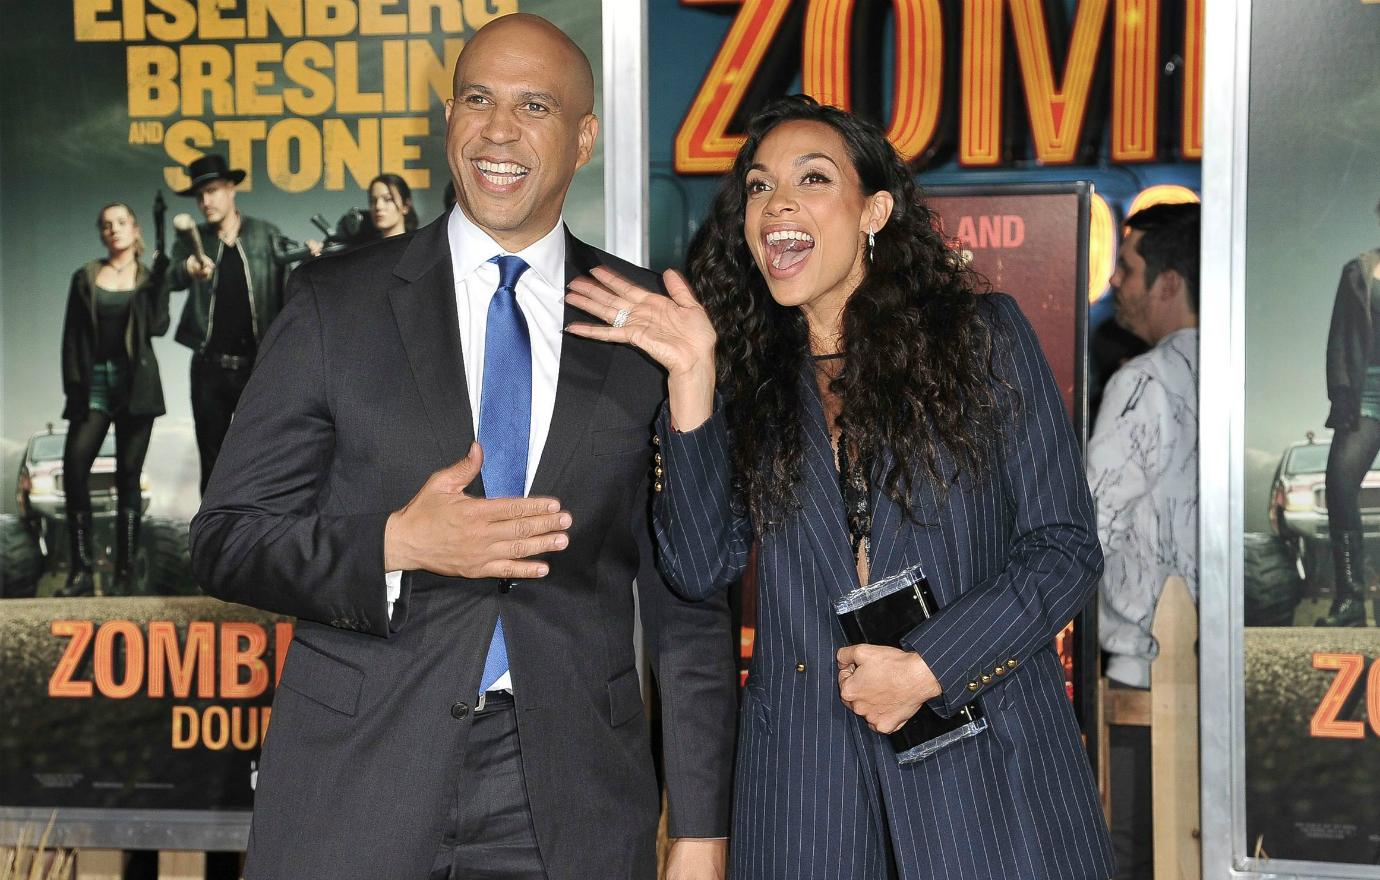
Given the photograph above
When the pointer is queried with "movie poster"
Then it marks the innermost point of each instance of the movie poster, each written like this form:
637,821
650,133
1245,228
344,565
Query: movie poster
1312,434
147,696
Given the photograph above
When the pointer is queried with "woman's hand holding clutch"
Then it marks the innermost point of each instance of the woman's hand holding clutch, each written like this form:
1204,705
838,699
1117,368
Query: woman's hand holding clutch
885,686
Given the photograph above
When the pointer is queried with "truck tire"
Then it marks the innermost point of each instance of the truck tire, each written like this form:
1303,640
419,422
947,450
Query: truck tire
21,565
1273,587
164,565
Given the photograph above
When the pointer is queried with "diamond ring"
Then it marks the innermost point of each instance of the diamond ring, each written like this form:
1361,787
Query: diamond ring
621,318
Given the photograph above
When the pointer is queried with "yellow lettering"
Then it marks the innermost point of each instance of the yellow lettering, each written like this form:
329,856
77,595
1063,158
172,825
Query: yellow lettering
398,151
221,738
239,136
250,77
176,24
343,150
184,137
478,13
215,27
348,97
331,18
374,22
186,727
394,80
134,20
419,17
286,15
282,138
428,75
151,80
303,64
88,27
206,71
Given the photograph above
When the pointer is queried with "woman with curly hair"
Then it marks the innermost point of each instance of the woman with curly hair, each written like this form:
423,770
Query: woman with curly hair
842,397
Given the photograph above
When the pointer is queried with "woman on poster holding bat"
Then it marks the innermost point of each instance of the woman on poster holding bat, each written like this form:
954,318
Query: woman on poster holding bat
115,306
840,396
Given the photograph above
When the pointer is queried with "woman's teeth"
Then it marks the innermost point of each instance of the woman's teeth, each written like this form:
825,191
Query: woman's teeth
788,247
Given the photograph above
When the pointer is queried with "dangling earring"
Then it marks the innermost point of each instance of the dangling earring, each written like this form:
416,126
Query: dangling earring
871,243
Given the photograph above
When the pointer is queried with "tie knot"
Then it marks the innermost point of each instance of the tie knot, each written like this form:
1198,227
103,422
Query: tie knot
510,269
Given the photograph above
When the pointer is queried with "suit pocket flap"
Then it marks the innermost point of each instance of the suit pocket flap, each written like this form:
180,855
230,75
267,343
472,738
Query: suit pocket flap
333,683
625,697
620,441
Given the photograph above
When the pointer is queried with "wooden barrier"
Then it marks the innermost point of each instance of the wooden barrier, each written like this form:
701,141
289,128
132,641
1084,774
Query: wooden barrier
1170,710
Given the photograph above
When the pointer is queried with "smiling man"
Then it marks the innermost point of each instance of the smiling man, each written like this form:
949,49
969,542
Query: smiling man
455,510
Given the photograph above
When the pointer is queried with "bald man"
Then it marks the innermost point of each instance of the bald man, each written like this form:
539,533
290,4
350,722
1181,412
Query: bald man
455,509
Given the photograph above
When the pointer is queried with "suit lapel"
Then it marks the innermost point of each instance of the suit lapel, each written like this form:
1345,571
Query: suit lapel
820,499
423,304
584,366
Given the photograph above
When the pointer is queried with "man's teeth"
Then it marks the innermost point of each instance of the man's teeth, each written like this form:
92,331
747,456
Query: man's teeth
502,172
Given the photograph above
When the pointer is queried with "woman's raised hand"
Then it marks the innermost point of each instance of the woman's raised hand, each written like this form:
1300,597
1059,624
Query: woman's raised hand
674,331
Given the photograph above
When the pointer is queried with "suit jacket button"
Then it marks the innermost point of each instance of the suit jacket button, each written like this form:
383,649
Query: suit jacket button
986,679
506,586
460,710
800,667
972,685
658,486
1011,664
1000,670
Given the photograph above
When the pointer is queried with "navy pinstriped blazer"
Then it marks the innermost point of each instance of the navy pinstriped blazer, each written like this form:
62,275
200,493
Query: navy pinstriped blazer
1011,561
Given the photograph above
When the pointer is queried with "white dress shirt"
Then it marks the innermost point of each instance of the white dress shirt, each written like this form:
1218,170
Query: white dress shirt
540,297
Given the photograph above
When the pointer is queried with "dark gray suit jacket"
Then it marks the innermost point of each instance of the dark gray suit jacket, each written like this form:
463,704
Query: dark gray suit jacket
1010,560
359,395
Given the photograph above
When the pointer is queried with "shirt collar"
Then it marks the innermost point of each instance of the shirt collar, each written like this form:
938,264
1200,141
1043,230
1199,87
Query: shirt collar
471,247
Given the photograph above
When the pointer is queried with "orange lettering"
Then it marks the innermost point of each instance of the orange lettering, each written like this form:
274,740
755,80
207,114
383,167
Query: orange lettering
1135,63
234,657
105,654
61,683
167,662
1057,113
1324,722
703,144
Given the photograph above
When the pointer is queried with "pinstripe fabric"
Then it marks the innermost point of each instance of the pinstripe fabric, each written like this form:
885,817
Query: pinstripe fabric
1011,561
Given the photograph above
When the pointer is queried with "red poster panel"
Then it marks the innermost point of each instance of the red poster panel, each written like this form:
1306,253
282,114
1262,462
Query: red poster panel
1031,241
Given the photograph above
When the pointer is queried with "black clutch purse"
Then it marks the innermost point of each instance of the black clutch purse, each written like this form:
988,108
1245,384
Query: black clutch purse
880,614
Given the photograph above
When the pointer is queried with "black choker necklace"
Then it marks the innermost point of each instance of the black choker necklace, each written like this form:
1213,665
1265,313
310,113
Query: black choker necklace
827,357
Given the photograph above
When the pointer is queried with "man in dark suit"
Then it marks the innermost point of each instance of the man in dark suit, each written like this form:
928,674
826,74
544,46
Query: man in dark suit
461,698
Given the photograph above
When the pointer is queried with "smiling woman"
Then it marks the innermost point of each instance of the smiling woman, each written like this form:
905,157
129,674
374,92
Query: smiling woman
841,401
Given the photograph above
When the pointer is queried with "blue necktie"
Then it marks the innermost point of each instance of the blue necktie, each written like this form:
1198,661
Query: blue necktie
505,415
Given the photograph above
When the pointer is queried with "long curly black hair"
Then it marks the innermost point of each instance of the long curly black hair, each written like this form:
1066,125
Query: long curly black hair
918,388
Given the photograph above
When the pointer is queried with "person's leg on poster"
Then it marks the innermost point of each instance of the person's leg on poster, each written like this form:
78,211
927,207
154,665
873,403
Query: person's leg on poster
1348,461
132,435
216,390
84,439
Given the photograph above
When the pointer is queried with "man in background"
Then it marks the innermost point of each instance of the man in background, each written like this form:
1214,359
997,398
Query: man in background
1143,470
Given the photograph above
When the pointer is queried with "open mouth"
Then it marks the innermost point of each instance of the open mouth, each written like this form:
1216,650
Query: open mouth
788,248
501,174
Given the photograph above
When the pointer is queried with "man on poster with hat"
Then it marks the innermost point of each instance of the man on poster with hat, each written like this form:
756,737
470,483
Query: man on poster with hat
234,291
